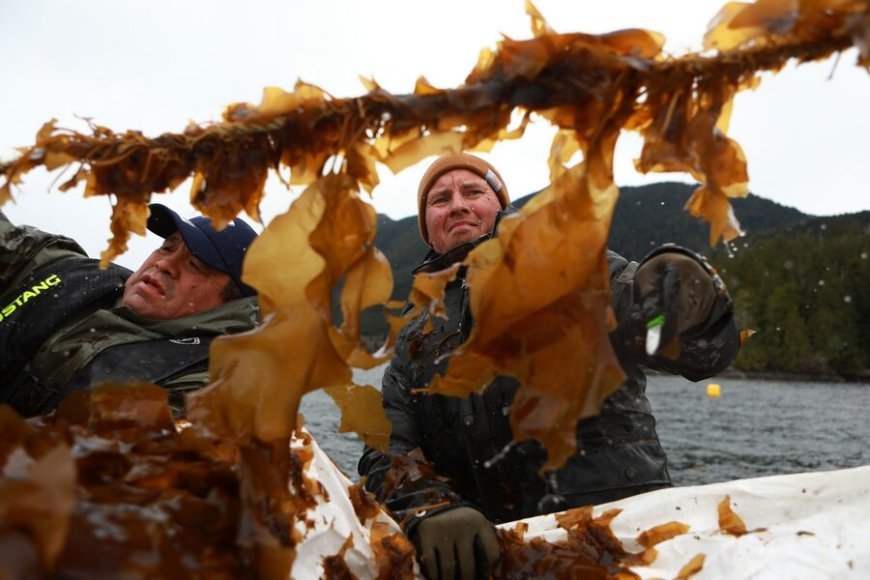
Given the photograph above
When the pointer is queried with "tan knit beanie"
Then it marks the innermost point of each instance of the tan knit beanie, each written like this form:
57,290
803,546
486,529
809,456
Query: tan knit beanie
459,161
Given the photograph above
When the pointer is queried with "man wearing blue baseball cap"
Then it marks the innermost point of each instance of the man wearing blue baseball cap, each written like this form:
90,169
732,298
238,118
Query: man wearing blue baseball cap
66,325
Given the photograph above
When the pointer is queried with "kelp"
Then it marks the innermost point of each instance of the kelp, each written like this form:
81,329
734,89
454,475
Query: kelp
729,521
127,491
680,107
110,485
588,548
583,545
539,290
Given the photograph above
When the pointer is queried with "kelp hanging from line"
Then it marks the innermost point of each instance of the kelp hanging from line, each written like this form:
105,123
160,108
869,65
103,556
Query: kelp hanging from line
679,105
590,86
539,290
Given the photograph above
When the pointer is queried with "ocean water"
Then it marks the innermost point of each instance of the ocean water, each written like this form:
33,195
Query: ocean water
755,428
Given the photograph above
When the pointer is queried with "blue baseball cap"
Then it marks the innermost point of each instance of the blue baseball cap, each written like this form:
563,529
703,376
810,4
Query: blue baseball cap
223,250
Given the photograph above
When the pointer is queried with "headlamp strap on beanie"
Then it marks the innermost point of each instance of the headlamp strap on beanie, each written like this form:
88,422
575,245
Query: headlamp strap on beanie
492,180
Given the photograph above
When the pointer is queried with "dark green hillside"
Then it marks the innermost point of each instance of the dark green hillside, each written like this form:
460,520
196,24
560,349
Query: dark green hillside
803,288
650,215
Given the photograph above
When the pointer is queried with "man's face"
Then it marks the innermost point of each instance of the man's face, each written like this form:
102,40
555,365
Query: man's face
173,283
460,207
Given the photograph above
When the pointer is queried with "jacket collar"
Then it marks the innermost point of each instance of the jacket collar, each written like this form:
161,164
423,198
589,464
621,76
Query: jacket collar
435,262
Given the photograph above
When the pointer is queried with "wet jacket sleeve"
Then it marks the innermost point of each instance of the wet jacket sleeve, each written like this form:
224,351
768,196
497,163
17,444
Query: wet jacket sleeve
412,490
25,248
705,351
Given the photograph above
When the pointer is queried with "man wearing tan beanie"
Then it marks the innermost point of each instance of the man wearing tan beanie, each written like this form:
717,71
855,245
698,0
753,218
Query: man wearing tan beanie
458,199
479,475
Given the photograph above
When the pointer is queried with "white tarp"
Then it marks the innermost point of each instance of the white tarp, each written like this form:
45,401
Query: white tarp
810,525
334,520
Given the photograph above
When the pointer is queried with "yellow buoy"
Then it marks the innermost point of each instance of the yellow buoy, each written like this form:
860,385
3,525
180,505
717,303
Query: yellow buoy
714,390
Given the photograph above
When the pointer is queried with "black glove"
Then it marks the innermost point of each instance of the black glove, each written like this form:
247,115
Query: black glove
675,294
457,543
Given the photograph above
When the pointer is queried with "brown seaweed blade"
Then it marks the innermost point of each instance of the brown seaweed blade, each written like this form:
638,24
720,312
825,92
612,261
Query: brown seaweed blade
124,484
692,567
356,404
729,522
37,493
259,377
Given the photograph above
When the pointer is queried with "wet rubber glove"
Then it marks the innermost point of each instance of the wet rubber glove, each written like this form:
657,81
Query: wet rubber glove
457,543
675,294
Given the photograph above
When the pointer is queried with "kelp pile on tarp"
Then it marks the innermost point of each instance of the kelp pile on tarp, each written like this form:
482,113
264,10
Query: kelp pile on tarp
539,290
582,545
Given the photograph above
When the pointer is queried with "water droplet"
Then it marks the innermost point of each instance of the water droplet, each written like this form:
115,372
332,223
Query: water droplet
821,282
847,299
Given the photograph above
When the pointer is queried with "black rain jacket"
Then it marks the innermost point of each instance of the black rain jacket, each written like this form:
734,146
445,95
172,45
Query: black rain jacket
468,441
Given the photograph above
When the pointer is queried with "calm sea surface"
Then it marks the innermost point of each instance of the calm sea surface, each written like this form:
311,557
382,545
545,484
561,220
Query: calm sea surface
754,428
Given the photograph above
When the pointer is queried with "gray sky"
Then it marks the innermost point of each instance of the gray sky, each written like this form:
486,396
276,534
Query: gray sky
155,65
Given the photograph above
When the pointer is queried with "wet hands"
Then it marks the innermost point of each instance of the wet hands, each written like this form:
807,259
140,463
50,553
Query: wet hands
675,294
458,543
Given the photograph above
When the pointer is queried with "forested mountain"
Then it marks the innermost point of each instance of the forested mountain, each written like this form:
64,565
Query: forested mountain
648,216
803,288
799,281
